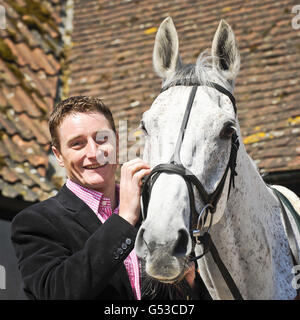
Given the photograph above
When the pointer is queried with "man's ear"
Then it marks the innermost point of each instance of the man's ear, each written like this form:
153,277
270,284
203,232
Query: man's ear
58,156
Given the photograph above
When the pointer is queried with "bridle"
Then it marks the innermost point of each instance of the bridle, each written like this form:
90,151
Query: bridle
175,166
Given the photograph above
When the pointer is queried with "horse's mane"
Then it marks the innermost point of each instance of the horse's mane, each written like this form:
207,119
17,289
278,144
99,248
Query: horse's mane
200,73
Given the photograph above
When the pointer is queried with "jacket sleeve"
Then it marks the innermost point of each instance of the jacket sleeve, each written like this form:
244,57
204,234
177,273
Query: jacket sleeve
51,271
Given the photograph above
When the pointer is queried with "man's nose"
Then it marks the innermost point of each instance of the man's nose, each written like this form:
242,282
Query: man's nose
92,149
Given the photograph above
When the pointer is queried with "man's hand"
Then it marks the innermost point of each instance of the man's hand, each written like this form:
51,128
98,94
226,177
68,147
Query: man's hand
190,275
132,173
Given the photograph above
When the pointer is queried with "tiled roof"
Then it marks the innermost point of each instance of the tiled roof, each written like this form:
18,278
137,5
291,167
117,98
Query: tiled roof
112,58
30,55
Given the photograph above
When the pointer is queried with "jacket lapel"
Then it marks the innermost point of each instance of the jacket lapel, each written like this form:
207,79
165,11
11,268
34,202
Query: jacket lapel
80,211
86,217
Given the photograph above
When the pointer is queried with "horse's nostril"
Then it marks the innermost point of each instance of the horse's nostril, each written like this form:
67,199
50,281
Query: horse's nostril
180,248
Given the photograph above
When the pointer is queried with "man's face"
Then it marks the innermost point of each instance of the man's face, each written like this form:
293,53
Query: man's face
84,150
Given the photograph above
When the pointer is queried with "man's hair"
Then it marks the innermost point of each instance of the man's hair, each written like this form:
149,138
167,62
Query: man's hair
76,104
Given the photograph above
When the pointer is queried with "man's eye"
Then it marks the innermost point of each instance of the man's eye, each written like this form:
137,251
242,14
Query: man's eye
103,139
76,144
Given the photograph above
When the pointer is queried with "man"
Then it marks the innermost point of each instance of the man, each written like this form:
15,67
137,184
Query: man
79,244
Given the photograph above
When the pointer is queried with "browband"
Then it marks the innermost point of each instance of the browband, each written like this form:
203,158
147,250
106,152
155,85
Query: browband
208,84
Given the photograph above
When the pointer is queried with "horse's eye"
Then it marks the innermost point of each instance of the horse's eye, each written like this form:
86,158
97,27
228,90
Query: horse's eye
142,127
227,131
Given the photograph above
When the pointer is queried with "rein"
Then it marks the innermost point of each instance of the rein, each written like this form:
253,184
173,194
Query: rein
175,166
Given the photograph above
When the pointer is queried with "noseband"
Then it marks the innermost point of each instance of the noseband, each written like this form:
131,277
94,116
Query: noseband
175,166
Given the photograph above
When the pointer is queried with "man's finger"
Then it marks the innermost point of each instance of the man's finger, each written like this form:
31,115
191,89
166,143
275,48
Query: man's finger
137,167
139,175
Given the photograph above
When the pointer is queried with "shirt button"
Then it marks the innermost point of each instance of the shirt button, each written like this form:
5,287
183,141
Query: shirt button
128,241
124,246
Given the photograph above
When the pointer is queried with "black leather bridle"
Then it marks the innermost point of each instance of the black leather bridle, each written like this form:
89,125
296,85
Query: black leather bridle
175,166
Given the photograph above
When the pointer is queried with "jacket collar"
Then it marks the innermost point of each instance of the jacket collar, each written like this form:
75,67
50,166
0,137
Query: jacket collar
78,209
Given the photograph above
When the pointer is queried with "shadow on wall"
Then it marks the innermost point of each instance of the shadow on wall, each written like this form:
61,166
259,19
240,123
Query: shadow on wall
10,279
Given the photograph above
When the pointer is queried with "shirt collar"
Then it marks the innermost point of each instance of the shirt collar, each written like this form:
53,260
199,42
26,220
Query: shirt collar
94,199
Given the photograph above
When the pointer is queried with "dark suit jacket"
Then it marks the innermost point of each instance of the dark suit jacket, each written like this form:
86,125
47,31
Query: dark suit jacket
65,252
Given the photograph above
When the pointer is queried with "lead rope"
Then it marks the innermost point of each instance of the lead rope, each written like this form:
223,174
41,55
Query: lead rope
208,246
207,242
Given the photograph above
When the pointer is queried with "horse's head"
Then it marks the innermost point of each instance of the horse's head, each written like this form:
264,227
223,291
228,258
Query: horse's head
164,238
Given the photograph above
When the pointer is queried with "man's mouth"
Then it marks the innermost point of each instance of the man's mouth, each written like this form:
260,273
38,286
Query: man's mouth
95,166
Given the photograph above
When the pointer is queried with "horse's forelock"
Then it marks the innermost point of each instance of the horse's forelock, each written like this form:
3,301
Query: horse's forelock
201,73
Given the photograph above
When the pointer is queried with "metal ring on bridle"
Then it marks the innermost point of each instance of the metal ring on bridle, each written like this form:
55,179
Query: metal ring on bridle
197,231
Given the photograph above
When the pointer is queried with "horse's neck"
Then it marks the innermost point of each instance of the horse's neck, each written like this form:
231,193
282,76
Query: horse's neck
251,240
251,191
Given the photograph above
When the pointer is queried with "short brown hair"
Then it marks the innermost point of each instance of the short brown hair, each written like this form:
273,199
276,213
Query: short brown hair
76,104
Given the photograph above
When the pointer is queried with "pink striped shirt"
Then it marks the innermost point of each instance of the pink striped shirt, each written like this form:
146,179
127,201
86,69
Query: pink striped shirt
102,208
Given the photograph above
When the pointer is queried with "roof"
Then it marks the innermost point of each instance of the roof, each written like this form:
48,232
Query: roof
112,58
30,65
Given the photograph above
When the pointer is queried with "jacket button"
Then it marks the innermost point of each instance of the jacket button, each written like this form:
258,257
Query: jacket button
116,256
119,251
128,241
124,246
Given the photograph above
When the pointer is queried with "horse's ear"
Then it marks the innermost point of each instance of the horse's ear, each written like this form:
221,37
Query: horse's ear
166,54
225,52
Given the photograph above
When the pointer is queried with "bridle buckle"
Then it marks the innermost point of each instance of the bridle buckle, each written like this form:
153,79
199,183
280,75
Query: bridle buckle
201,222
